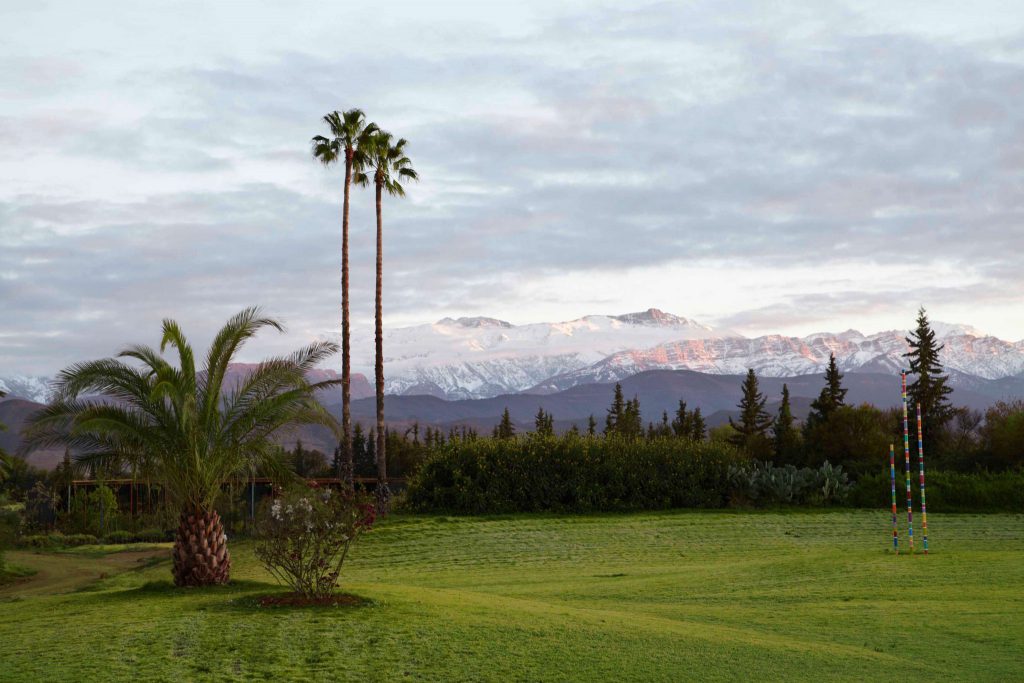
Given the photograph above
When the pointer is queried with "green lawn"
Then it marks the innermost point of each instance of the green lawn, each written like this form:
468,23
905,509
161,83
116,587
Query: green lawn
673,596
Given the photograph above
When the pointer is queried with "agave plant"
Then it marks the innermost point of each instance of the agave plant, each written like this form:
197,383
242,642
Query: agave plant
192,431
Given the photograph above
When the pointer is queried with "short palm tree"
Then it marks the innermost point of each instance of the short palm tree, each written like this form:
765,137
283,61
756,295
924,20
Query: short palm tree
192,430
349,135
387,167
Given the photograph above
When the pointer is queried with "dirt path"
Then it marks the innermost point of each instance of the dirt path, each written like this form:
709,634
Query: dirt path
62,573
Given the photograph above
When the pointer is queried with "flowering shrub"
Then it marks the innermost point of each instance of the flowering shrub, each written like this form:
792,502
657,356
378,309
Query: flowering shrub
305,535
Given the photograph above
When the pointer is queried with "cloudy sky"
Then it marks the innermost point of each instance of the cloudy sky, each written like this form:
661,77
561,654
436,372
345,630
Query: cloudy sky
770,167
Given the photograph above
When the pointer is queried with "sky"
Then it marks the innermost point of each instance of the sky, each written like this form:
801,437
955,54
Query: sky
767,167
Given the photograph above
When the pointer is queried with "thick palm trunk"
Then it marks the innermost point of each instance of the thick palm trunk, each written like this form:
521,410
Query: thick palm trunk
201,555
347,464
383,492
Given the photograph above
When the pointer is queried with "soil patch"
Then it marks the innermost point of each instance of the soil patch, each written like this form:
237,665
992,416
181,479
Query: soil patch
295,600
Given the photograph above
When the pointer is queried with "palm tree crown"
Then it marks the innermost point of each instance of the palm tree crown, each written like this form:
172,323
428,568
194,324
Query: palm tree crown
349,134
195,432
386,164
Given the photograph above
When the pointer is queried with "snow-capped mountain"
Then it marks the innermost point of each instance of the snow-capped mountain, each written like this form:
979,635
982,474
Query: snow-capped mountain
779,356
32,388
483,357
468,358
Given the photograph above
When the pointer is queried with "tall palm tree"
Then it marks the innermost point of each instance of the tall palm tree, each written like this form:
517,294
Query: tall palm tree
387,167
349,135
192,430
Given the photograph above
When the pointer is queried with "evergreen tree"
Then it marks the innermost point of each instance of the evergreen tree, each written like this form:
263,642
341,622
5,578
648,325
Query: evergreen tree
681,424
591,425
616,413
832,396
929,388
505,428
697,425
754,420
786,440
544,423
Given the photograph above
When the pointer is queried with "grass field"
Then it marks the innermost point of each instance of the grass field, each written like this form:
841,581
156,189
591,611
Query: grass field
672,596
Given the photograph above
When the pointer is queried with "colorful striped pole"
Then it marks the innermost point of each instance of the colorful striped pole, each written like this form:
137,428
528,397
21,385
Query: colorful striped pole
906,460
892,485
920,467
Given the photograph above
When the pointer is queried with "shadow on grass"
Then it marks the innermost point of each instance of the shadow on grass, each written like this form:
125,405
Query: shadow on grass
241,596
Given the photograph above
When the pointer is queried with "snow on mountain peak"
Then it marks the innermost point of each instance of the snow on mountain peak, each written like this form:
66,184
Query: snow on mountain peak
478,321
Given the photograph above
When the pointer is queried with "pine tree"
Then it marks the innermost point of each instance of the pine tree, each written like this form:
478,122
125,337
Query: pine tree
697,425
786,441
754,420
632,422
591,425
681,424
505,429
832,396
616,413
544,423
929,388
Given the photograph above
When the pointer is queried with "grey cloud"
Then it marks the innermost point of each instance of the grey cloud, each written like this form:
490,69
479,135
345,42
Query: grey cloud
798,138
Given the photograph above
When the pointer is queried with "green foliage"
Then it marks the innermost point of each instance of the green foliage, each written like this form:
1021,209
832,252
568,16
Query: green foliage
688,424
785,437
505,428
571,473
623,418
10,527
544,423
763,484
832,396
57,540
945,491
929,388
1001,443
857,438
178,422
306,533
752,429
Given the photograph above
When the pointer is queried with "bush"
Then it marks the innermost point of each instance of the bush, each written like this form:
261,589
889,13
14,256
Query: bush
761,484
945,491
72,540
143,536
305,536
153,536
571,473
119,537
10,525
57,540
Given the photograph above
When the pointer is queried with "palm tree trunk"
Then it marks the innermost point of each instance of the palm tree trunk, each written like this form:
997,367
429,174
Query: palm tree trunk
383,492
347,465
201,555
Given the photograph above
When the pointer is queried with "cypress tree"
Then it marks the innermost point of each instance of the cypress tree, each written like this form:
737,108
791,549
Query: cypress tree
785,435
754,420
929,388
